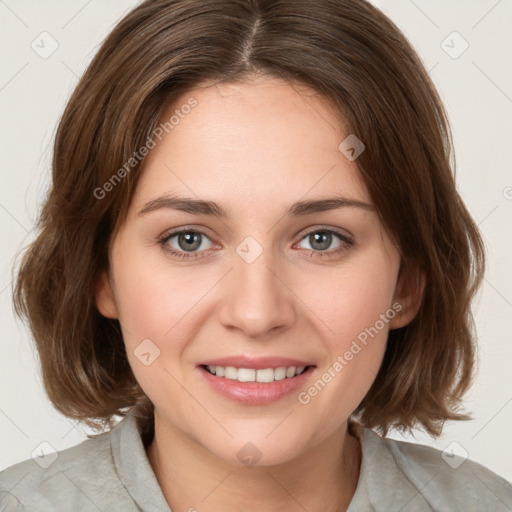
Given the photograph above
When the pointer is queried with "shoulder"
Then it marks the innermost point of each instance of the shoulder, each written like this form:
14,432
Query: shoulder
440,480
78,478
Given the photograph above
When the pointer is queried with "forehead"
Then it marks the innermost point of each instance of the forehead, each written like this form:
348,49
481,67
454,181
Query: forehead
266,141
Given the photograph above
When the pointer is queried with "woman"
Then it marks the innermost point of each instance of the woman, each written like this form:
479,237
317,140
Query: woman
255,252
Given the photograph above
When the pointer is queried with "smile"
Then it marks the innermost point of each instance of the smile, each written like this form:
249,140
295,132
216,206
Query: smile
255,386
255,375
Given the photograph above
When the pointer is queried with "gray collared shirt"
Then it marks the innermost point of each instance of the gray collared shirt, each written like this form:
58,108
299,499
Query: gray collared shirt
111,472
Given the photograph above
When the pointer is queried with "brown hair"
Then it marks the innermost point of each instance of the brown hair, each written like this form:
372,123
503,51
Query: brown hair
354,56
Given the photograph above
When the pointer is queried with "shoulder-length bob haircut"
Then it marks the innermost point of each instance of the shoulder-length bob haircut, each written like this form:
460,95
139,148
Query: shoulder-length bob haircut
350,53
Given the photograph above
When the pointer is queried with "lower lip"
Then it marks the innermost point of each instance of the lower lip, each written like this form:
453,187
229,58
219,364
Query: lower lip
255,393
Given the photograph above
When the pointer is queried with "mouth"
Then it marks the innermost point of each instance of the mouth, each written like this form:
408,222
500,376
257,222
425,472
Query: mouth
256,386
257,375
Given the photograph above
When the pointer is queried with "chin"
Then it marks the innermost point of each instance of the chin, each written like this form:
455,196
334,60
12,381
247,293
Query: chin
258,451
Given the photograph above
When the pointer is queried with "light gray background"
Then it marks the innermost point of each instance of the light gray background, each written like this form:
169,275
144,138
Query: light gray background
476,87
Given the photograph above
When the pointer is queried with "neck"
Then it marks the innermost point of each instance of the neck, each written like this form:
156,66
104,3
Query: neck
192,478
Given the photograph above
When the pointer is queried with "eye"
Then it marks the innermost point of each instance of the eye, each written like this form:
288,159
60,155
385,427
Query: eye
189,243
321,239
187,240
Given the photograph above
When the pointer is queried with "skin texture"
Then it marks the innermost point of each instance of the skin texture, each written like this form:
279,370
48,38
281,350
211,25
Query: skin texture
254,148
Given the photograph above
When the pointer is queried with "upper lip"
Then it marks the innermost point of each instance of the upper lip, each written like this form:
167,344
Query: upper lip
255,362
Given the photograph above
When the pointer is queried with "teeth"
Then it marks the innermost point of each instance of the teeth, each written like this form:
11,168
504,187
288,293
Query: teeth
263,375
246,375
230,372
280,373
252,375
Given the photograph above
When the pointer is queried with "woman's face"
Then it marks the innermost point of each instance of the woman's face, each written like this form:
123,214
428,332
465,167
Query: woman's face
314,287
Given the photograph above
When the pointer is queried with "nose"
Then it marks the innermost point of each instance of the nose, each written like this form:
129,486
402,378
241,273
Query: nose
257,298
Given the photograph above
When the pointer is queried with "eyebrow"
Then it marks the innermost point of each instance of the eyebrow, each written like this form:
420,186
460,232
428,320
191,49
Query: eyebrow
200,207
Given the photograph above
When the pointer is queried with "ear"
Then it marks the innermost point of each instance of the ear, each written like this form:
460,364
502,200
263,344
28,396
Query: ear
409,294
104,296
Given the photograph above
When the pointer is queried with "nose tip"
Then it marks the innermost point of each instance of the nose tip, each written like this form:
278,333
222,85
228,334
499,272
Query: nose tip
257,301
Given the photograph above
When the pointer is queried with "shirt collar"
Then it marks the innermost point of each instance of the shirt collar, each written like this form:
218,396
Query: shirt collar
133,467
382,485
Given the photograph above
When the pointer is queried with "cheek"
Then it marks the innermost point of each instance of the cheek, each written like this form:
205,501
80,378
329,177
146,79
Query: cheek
152,296
352,297
152,312
355,306
160,310
146,307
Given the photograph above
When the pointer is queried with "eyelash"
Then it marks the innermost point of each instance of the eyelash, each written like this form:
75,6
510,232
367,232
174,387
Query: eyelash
347,243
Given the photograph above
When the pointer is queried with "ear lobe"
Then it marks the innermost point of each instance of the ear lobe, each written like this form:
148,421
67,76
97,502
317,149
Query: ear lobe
104,296
409,294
